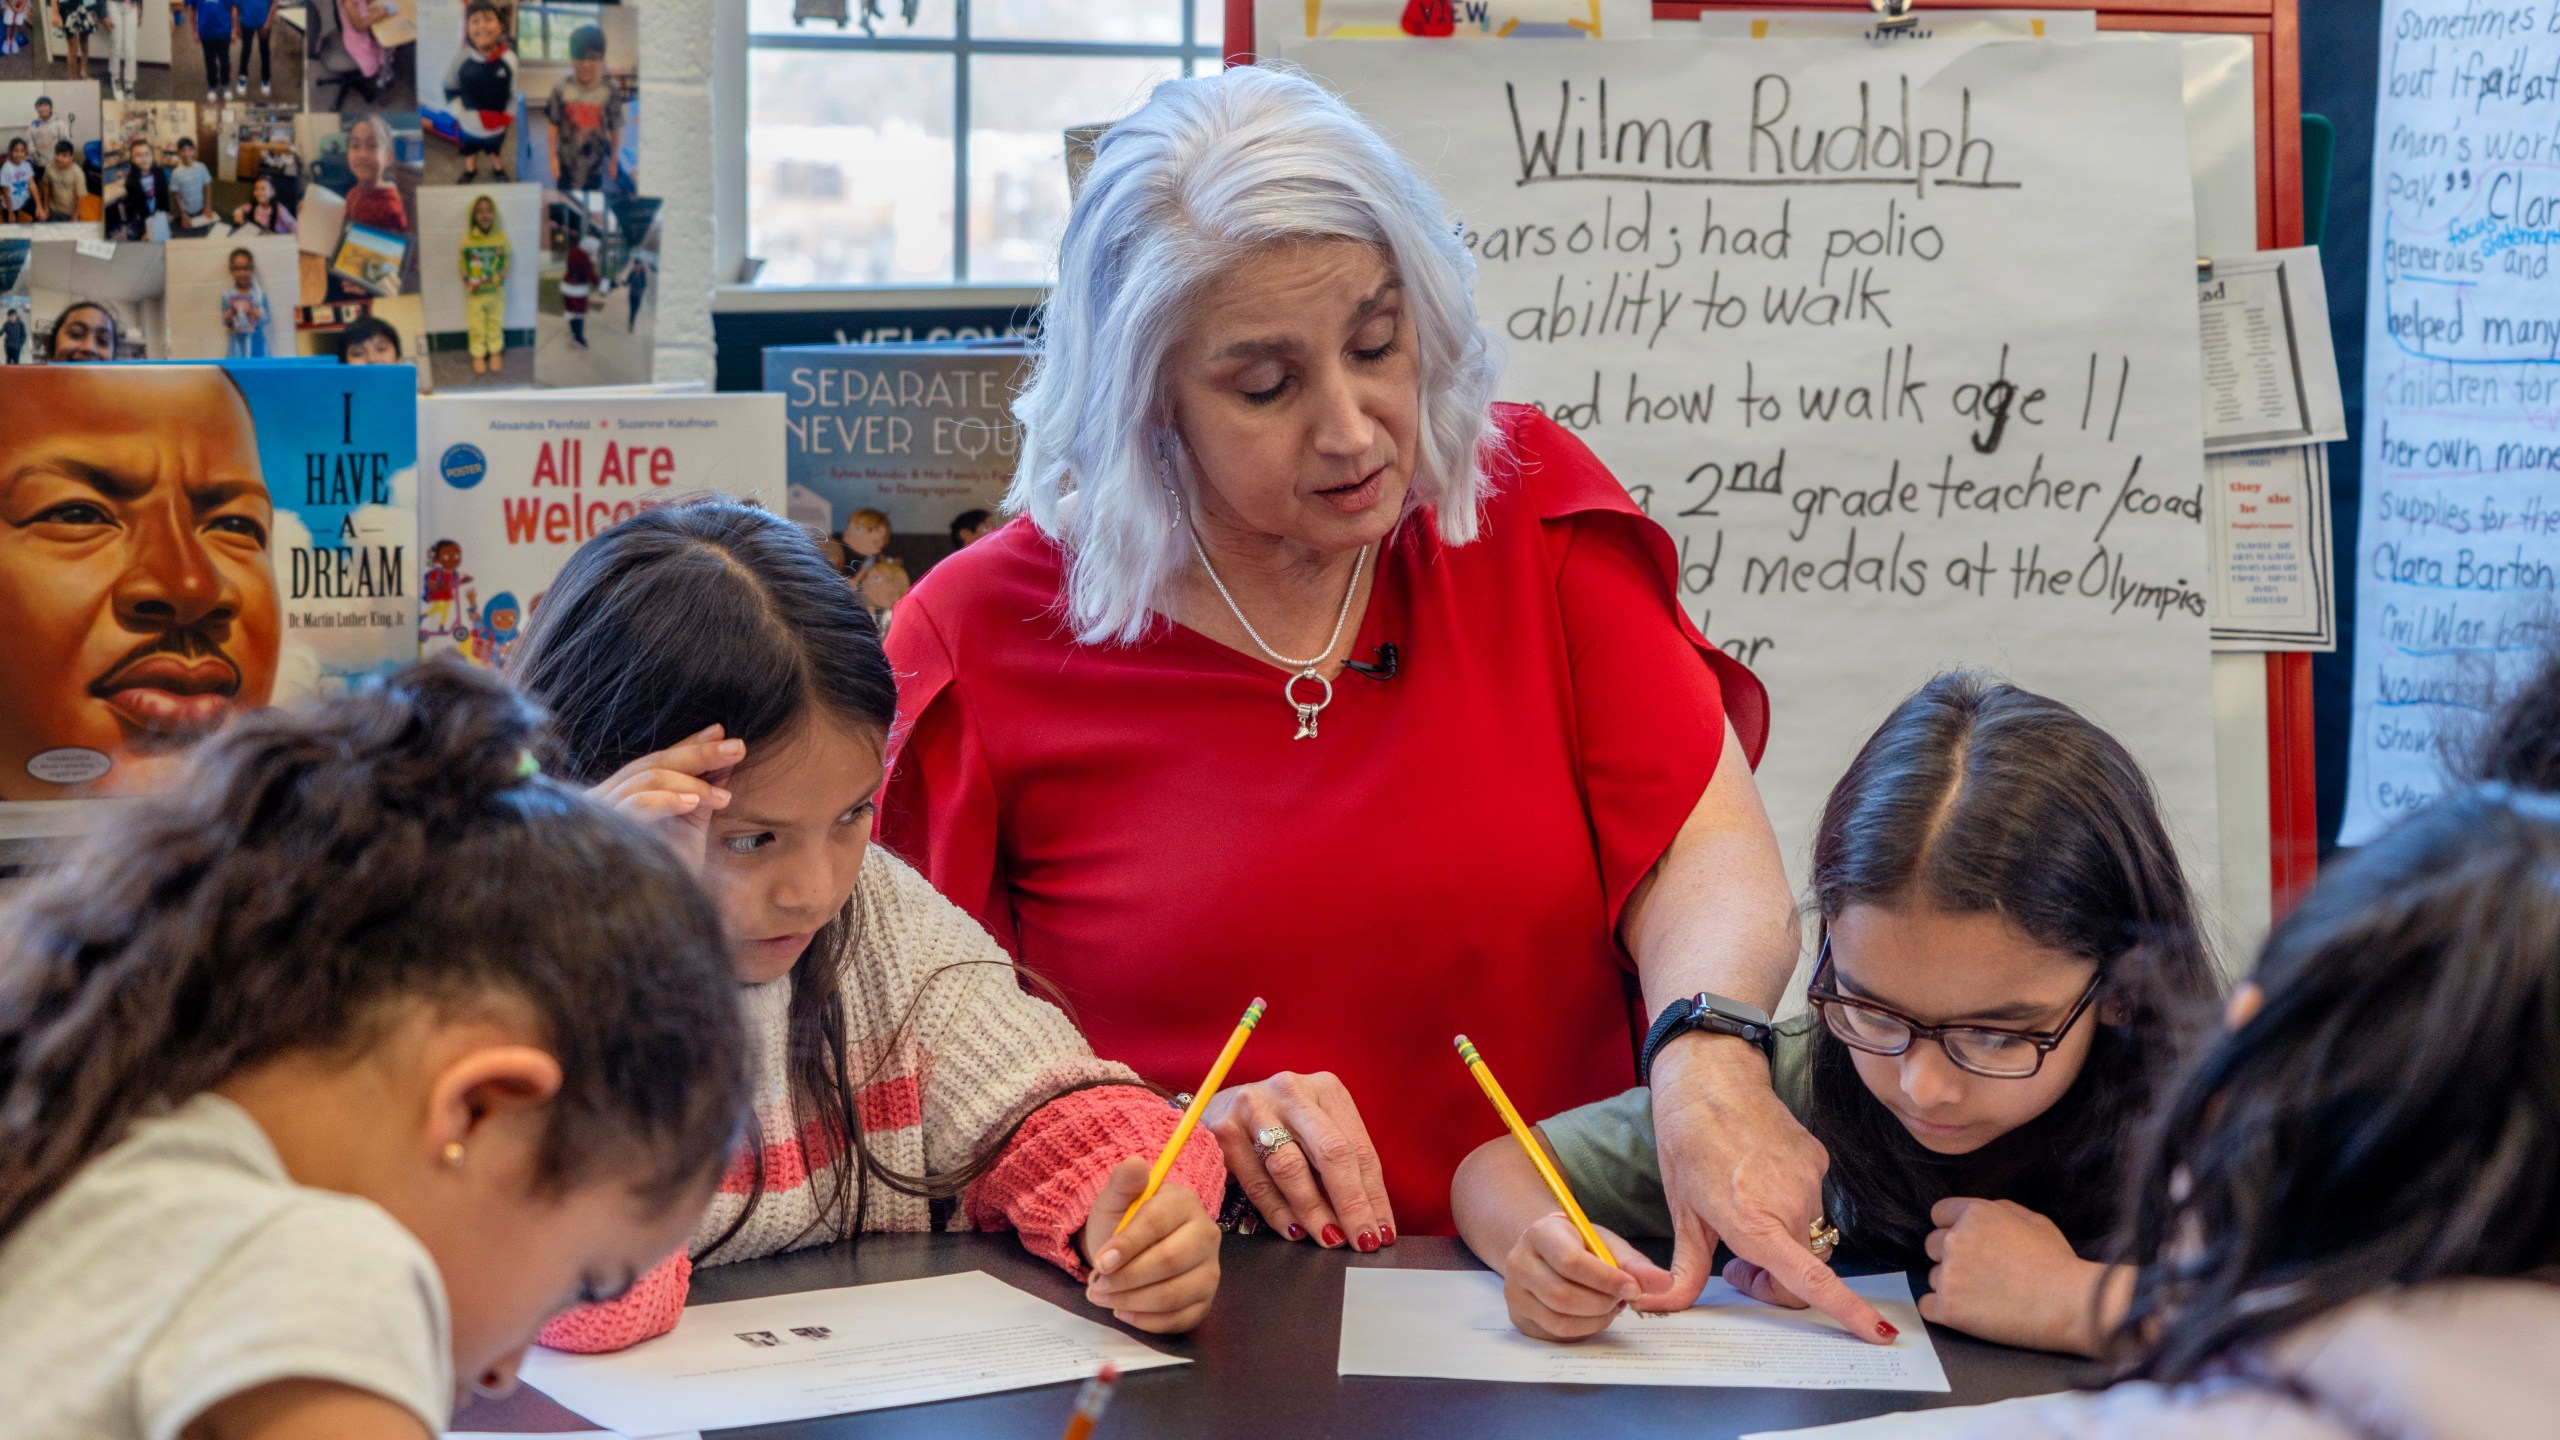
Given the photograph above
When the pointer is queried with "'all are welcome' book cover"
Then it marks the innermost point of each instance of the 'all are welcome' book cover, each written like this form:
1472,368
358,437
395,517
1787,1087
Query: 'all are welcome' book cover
188,542
515,483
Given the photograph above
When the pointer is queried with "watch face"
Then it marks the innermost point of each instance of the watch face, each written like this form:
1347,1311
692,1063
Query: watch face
1732,1010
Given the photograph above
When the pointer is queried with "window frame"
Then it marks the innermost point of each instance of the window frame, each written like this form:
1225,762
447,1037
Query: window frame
961,44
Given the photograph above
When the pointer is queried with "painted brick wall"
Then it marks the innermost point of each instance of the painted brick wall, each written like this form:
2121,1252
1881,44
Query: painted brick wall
676,164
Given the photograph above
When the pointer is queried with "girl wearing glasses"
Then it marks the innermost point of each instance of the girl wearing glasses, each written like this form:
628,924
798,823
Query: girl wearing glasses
2009,957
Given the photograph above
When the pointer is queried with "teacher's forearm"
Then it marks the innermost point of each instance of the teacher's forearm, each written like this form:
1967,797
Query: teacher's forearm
1715,913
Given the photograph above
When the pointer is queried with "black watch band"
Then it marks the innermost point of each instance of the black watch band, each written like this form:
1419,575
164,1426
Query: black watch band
1712,1013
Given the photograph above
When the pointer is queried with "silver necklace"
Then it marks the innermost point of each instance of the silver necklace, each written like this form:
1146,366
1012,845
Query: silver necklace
1307,710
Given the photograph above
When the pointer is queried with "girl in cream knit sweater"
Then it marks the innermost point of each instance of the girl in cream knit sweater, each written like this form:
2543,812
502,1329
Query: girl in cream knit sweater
708,673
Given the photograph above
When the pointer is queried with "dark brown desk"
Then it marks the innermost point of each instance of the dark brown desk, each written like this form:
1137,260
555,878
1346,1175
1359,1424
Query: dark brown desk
1264,1364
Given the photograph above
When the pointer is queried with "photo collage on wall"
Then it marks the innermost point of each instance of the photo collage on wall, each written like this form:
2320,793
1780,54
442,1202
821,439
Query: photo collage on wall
449,183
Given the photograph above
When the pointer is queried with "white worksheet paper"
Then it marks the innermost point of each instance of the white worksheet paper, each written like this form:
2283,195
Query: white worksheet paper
555,1435
834,1352
1451,1325
1942,1423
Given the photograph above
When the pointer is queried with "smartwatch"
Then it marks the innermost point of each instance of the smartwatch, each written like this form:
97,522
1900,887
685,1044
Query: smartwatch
1712,1013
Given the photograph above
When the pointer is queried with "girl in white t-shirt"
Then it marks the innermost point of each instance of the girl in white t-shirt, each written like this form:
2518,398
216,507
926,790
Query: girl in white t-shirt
327,1077
17,186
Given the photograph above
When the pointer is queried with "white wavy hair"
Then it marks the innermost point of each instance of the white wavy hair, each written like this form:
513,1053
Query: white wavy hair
1207,172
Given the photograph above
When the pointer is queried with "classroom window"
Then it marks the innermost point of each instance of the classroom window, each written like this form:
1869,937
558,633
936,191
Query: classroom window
933,153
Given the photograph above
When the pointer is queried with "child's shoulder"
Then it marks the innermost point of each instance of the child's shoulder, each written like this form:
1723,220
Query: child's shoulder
893,899
185,1253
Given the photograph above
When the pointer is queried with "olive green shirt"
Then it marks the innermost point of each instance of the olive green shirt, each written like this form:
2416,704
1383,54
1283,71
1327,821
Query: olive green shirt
1605,1149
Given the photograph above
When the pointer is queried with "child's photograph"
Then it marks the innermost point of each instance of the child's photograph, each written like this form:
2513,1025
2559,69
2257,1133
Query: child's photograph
481,273
138,183
598,325
389,331
357,220
89,307
581,81
17,324
123,45
232,298
231,52
363,56
247,145
49,133
469,92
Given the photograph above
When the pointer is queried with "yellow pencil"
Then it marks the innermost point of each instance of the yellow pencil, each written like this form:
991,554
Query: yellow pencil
1191,1117
1537,1156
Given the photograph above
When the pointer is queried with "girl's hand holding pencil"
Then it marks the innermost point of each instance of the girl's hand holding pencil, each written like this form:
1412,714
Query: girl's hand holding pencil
1159,1271
1557,1289
1565,1278
1155,1251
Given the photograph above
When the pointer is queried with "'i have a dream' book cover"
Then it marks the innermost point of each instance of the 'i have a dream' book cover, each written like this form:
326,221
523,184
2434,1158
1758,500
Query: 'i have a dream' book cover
187,542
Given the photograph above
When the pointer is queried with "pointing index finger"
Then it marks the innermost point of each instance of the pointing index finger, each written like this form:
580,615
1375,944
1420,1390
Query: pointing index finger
1795,1267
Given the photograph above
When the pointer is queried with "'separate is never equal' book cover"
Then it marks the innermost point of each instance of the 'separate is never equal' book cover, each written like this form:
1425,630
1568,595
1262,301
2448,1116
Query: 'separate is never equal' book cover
902,452
515,483
187,542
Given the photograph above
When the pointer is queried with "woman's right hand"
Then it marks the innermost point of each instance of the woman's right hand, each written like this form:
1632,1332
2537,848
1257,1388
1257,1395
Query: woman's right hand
1326,1182
1558,1290
676,791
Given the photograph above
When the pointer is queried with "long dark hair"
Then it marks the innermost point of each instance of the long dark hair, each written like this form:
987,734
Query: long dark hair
2390,1116
711,612
1977,797
308,871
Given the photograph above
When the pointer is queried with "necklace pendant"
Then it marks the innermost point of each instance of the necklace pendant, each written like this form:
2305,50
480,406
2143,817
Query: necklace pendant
1307,710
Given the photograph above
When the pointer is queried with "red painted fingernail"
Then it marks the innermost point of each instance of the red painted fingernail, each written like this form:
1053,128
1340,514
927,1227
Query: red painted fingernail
1297,1231
1332,1236
1387,1234
1368,1241
1885,1329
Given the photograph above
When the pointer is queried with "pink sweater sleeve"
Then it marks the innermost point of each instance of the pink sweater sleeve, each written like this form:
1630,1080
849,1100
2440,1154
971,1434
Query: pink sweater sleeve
650,1308
1045,1183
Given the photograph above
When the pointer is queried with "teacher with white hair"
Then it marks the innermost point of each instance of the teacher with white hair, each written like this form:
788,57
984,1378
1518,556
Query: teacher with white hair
1316,675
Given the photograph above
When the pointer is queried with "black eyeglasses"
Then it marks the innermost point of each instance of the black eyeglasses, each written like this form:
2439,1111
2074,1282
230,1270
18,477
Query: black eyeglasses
1985,1050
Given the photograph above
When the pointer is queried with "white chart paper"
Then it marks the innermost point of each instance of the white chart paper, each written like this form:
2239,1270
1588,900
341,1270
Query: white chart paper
834,1352
1451,1325
1900,343
2458,548
1935,23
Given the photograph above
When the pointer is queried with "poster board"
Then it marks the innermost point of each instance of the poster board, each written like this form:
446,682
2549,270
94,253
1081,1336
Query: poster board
2262,704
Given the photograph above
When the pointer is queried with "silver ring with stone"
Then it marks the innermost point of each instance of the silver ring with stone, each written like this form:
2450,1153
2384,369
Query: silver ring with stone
1270,1138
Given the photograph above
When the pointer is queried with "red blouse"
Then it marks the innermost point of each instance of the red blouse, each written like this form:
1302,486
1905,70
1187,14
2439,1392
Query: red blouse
1449,855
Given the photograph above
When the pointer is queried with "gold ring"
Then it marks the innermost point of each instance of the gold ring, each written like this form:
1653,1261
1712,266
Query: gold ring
1822,1238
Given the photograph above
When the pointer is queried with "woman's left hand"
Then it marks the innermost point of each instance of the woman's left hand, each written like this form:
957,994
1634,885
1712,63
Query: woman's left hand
1326,1182
2007,1274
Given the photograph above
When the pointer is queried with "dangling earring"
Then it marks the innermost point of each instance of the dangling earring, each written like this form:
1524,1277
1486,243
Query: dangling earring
1172,491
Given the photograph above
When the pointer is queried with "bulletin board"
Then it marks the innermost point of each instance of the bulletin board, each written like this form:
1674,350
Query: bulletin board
2280,708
